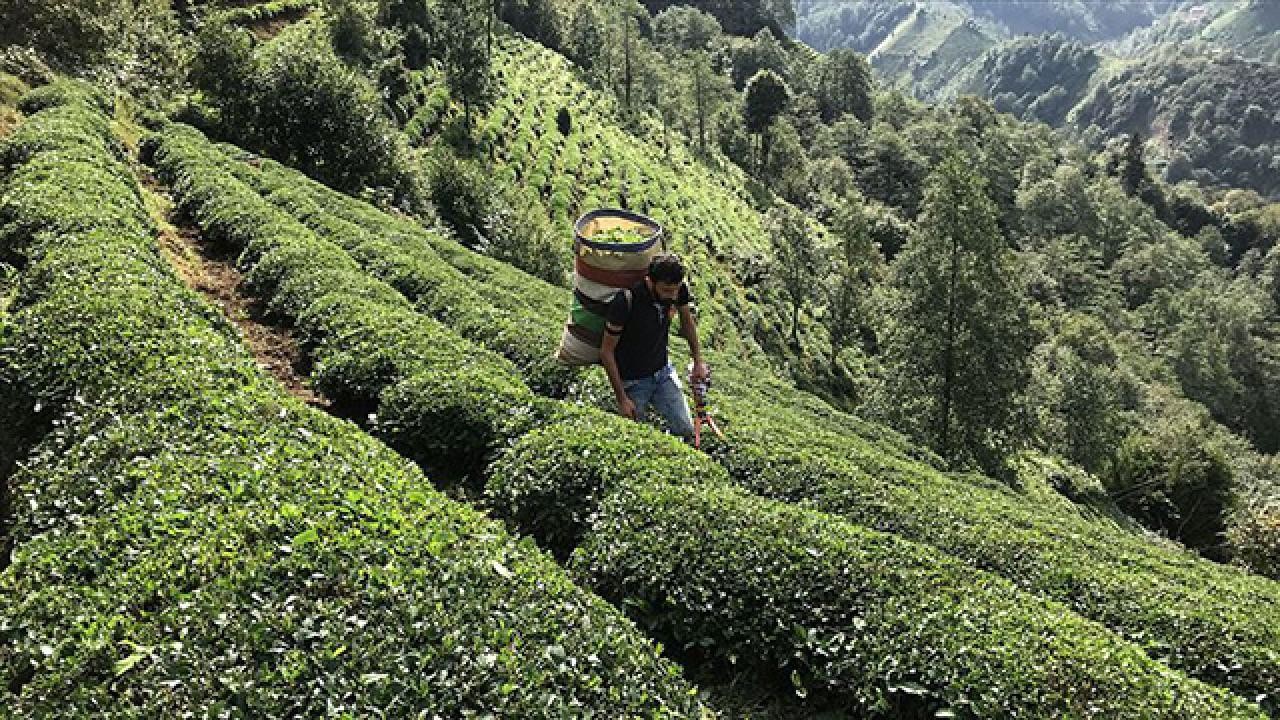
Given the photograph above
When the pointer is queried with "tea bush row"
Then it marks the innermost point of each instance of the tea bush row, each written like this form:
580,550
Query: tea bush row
411,265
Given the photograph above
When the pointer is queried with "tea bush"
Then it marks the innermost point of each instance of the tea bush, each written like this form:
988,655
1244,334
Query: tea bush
551,481
408,261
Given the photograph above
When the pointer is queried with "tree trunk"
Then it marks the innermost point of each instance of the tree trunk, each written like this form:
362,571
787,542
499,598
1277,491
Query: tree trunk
948,355
761,170
488,29
626,60
795,323
700,100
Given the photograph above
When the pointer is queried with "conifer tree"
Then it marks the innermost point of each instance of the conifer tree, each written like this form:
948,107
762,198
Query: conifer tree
958,344
467,32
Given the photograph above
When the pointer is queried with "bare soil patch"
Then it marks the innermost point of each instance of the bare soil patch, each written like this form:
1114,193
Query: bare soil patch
209,271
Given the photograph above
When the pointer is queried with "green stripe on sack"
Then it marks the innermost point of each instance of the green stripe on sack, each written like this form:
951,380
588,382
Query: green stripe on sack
584,317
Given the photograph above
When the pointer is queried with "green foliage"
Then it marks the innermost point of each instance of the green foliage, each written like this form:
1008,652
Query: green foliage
354,30
957,347
687,28
452,419
1083,393
551,481
766,97
787,592
1156,596
294,99
25,64
1039,78
253,14
1204,102
891,171
843,86
797,261
1174,478
406,257
535,19
518,233
462,195
42,197
1109,574
466,53
740,17
131,42
1254,537
64,92
1218,338
479,408
855,263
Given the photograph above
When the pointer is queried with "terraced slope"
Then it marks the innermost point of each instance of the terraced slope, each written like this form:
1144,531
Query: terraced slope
555,479
190,540
598,164
1212,621
427,402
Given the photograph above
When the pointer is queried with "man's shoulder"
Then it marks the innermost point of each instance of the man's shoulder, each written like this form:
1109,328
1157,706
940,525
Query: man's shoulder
620,305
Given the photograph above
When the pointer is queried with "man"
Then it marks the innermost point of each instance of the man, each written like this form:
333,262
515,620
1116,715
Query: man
634,351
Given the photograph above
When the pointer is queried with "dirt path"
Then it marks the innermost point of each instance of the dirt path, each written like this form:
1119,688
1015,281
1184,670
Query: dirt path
210,272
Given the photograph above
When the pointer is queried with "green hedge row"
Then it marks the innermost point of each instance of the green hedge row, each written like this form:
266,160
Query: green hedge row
501,285
855,613
1211,621
72,197
856,616
550,479
191,541
408,261
365,338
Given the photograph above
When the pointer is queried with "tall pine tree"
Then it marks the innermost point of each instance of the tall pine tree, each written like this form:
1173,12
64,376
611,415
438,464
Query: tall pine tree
958,345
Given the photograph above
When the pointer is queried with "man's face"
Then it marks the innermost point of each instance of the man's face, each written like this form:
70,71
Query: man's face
666,292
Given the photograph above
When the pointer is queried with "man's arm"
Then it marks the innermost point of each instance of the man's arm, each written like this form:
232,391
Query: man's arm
689,329
626,408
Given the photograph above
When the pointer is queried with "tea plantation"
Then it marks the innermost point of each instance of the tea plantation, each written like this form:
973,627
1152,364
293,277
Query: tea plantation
466,528
188,537
578,478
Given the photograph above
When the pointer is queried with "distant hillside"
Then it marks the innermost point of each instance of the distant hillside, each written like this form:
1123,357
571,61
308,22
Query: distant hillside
1247,29
928,48
1101,70
1217,118
863,24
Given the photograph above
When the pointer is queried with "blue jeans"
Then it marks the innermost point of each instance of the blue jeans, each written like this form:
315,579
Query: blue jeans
664,392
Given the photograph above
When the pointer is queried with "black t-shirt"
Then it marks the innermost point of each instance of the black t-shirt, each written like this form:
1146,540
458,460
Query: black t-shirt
642,347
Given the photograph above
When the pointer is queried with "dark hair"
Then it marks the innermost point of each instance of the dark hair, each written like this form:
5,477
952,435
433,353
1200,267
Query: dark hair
666,268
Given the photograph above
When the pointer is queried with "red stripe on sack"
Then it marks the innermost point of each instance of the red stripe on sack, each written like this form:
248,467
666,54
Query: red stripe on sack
608,277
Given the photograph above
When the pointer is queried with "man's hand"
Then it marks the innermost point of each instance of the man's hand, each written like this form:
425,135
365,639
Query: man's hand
626,408
700,372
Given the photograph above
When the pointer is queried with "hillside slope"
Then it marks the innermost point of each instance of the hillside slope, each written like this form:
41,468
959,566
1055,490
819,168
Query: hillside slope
1096,70
790,446
181,512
